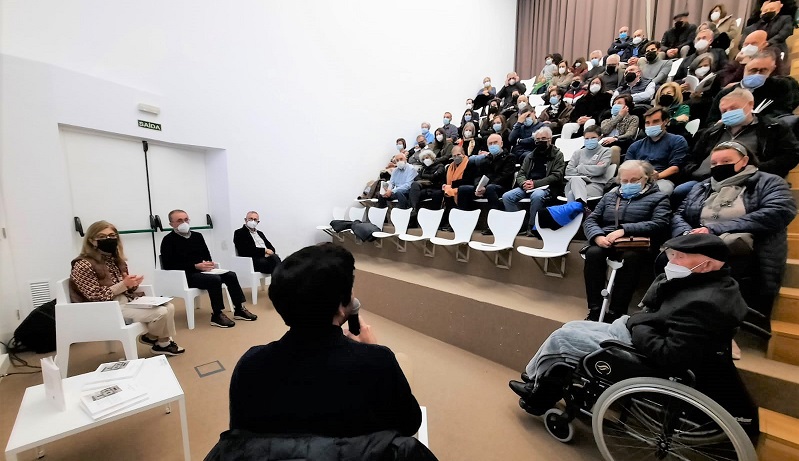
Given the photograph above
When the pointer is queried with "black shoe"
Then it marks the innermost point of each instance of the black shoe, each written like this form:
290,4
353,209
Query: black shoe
147,341
593,314
526,378
221,320
487,232
523,390
533,409
243,314
446,229
611,317
170,349
523,233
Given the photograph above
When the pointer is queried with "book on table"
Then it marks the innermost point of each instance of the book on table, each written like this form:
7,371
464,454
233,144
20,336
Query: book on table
111,399
113,371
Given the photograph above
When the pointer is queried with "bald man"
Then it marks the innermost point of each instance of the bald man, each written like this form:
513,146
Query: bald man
752,44
778,27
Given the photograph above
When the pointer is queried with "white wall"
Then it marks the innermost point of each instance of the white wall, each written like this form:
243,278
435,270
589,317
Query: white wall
294,97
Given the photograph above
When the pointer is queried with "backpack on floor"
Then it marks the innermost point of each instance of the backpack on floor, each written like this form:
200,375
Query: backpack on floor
37,332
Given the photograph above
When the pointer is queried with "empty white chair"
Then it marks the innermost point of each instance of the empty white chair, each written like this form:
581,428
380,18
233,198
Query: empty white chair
400,220
95,321
504,225
535,100
556,245
463,224
428,221
377,216
244,267
339,213
675,66
692,126
173,284
569,129
569,146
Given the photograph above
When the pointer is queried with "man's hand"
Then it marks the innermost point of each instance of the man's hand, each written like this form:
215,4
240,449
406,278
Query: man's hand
523,117
583,119
528,185
700,230
656,175
672,53
602,241
131,281
632,61
608,141
615,235
204,266
682,118
268,252
367,335
480,191
387,194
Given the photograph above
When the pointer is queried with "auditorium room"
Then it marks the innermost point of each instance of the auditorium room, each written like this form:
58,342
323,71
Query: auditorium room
418,230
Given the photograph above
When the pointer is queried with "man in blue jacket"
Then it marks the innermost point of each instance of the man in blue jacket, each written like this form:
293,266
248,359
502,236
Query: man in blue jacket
666,152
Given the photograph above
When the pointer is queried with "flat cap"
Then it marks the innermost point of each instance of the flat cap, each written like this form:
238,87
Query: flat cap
704,244
680,15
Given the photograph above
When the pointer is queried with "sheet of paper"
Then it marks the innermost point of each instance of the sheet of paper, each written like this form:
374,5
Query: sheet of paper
216,272
145,302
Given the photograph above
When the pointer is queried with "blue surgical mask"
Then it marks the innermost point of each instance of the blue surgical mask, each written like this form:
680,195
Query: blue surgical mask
591,143
554,100
467,118
528,121
425,130
623,35
753,81
630,190
653,131
494,149
614,111
400,147
446,121
595,62
733,117
497,127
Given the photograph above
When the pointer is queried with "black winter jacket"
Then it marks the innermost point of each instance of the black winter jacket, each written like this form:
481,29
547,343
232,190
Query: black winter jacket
242,445
433,175
770,207
245,245
645,215
556,169
498,168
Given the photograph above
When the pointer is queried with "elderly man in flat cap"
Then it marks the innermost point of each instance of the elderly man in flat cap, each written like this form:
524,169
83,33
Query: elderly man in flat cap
690,315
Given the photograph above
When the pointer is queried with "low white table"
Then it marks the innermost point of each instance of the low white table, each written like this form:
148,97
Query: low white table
39,422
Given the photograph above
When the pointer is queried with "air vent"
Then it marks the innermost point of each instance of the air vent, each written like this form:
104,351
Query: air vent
40,292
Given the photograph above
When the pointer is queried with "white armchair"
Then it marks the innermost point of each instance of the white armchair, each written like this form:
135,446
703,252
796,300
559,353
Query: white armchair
173,284
93,321
243,267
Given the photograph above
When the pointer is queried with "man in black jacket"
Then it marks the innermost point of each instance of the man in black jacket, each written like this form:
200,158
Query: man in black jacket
498,166
678,41
252,243
690,315
315,380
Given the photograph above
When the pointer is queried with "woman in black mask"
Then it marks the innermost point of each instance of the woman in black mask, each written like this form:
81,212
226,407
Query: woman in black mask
100,273
669,97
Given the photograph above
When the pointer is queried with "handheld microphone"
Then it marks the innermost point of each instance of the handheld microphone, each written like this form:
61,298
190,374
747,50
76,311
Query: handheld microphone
353,322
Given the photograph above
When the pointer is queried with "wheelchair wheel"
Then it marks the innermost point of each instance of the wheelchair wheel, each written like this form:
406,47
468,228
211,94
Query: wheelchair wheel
558,426
651,418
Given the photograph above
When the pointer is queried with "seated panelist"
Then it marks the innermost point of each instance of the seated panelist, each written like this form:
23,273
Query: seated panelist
252,243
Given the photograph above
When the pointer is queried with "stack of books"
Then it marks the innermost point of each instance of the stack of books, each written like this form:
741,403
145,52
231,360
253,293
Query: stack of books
112,389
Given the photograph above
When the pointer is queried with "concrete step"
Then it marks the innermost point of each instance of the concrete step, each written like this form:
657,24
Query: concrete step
786,309
779,437
784,343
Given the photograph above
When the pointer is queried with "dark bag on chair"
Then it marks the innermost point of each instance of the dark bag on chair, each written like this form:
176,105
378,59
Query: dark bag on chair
629,243
37,332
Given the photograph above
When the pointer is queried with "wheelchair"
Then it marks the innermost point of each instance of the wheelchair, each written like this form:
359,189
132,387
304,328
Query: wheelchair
640,412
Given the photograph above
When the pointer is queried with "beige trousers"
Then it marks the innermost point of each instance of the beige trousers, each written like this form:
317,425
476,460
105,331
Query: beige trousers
160,320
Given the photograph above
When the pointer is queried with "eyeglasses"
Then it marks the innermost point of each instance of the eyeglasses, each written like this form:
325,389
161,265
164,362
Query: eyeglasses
181,221
106,237
256,221
631,181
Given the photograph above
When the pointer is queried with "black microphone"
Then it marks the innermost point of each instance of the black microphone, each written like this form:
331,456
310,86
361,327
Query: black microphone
353,322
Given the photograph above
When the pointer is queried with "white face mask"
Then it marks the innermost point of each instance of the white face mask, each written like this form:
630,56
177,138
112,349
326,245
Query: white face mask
561,70
487,84
750,50
428,161
467,134
701,44
440,138
675,271
714,16
595,88
522,105
512,81
401,164
469,106
252,224
702,71
637,40
183,228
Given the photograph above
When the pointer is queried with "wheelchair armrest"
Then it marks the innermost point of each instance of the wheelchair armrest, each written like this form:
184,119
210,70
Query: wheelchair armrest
616,343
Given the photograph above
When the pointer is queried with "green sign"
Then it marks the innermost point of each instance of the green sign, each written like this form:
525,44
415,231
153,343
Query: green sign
150,125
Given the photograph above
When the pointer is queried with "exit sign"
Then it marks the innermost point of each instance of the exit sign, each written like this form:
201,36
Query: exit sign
150,125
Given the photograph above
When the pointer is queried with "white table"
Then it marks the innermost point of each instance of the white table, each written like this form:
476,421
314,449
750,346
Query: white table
39,422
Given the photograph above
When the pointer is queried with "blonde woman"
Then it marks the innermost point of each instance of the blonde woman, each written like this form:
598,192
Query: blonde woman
100,273
669,97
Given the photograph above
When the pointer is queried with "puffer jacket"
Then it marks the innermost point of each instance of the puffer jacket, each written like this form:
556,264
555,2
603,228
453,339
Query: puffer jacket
770,207
243,445
645,215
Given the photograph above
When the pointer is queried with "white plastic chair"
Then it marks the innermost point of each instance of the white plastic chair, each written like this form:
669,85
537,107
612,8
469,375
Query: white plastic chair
339,213
462,224
244,267
692,126
400,220
377,216
535,100
95,321
569,146
173,283
556,245
675,66
504,225
428,221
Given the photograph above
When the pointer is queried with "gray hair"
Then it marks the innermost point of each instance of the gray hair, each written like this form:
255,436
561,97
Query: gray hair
644,167
427,153
544,130
702,57
251,212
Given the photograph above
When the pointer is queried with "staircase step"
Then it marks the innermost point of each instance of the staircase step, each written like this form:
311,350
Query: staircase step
793,177
786,309
779,439
784,343
793,245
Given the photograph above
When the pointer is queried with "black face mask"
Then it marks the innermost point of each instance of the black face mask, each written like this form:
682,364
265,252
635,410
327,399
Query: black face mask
679,24
768,16
541,146
722,172
651,56
630,77
610,70
422,145
666,100
108,245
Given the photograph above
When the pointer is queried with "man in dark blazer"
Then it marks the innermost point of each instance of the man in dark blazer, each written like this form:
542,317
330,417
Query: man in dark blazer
252,243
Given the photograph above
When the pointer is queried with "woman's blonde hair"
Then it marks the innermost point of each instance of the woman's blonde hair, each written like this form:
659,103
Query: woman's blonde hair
675,87
90,251
645,167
